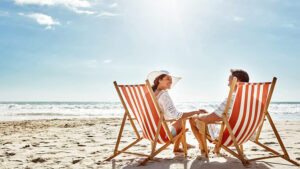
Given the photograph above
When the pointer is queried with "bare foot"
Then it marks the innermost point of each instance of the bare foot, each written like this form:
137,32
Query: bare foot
216,151
203,153
179,150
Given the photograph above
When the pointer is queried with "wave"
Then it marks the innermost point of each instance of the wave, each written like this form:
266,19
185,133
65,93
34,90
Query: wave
35,110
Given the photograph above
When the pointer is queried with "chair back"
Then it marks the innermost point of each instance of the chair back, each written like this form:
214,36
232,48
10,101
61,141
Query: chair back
138,98
247,111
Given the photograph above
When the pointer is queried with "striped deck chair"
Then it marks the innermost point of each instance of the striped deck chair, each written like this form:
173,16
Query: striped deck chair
140,101
250,108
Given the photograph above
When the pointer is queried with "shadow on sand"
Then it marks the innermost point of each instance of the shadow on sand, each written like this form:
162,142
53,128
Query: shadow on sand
199,162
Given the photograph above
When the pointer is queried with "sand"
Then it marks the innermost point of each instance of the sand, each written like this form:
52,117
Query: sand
85,143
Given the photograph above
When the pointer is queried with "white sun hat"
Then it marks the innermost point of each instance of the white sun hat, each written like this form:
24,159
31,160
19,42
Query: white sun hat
154,74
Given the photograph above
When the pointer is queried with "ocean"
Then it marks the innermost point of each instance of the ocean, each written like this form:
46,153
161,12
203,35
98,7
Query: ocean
10,111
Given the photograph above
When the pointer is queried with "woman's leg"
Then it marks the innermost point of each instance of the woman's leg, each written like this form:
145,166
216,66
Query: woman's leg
176,145
178,126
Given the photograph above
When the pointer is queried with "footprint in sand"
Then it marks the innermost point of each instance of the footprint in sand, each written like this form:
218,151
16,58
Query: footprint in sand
38,160
254,149
26,146
35,144
95,152
44,142
76,161
271,142
7,143
10,154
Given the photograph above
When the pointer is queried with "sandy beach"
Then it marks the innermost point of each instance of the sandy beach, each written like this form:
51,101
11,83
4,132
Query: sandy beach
85,143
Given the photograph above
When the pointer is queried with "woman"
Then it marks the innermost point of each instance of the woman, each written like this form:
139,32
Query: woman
161,81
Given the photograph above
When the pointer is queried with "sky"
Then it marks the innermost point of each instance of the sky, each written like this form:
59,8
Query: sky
73,50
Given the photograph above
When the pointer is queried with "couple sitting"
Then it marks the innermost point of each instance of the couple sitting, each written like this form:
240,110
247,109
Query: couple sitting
162,81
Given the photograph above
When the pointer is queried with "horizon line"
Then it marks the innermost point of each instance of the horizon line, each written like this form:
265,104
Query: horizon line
118,101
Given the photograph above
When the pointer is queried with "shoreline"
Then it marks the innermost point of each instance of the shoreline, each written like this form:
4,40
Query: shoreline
110,118
85,143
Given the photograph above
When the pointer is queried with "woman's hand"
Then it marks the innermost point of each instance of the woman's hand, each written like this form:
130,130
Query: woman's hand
197,112
194,114
202,111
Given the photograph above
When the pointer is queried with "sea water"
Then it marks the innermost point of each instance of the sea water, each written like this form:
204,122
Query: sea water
65,110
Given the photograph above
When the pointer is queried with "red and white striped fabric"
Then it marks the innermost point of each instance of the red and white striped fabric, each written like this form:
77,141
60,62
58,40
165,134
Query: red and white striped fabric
142,106
247,111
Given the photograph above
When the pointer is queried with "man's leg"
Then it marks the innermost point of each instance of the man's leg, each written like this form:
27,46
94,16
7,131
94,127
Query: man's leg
196,133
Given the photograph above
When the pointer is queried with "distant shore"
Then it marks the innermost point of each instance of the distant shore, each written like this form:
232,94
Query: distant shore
85,143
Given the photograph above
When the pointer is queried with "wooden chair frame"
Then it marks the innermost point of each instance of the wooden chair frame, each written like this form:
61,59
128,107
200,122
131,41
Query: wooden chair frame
239,148
161,122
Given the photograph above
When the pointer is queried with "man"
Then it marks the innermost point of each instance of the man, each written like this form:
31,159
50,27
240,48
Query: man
215,116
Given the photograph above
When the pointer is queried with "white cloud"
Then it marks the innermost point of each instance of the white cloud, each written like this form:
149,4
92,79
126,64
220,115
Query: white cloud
83,11
289,25
107,61
4,13
113,5
42,19
73,5
91,63
77,6
238,19
67,3
49,27
107,14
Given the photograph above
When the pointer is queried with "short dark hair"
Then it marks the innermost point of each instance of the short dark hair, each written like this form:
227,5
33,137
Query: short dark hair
240,74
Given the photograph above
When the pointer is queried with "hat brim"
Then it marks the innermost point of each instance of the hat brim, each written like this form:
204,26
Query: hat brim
153,75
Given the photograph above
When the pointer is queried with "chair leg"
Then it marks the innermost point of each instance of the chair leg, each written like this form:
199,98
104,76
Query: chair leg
120,133
152,145
153,154
276,153
242,148
204,141
245,162
116,153
184,138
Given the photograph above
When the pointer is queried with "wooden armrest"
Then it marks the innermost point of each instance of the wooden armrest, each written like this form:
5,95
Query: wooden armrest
216,123
165,120
169,120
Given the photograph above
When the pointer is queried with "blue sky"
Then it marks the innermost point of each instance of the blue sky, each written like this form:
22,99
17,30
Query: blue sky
63,50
